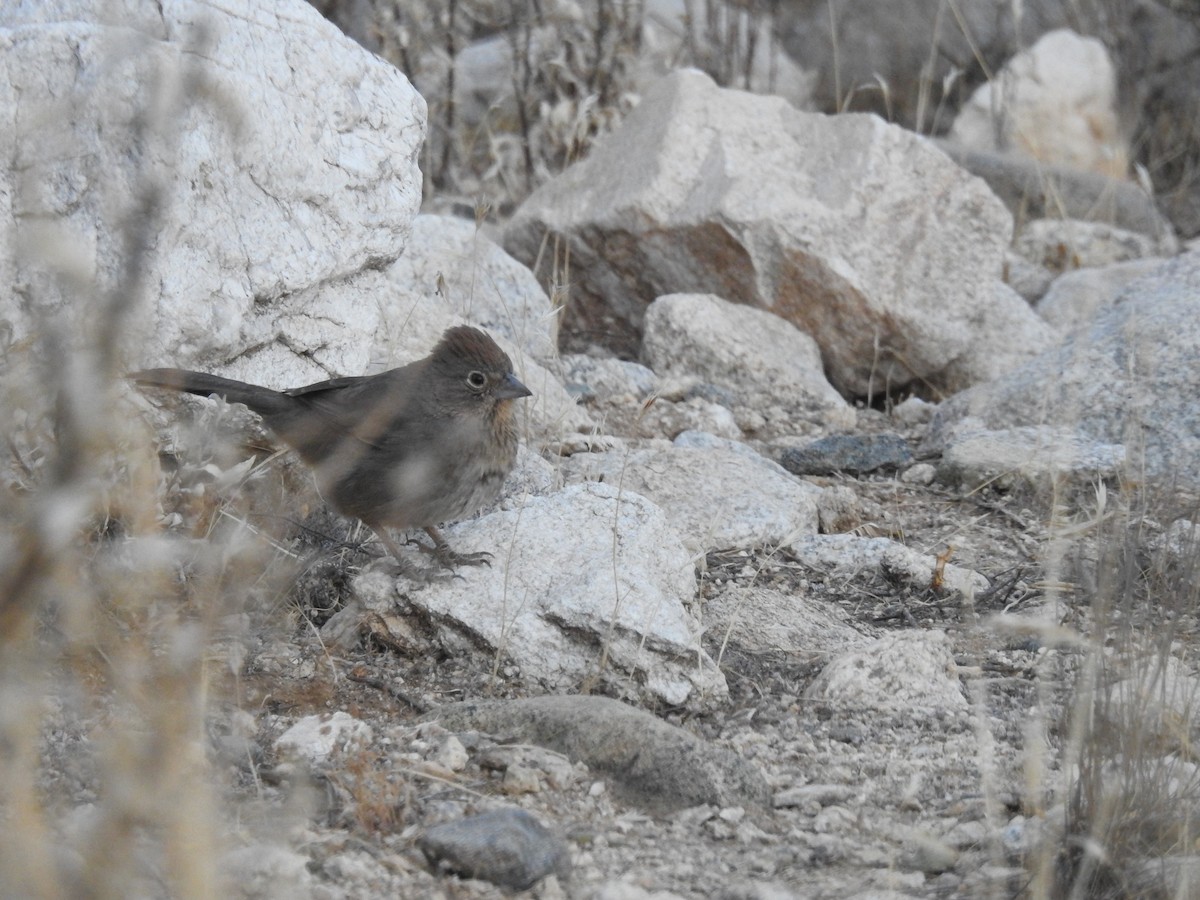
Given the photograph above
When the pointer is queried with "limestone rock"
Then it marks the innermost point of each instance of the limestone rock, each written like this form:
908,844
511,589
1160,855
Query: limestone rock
1056,102
717,498
821,248
1032,456
506,846
753,354
1075,298
275,190
1009,333
905,670
1128,379
580,576
654,764
1061,245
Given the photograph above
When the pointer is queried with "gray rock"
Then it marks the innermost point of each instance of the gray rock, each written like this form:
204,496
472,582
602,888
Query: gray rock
1129,379
653,765
821,794
704,440
967,835
1033,190
450,272
928,854
914,411
1027,279
508,847
763,620
820,249
839,509
850,454
317,738
864,557
1075,298
283,188
1009,334
587,582
667,419
268,870
1029,457
717,498
621,889
904,670
1055,101
589,377
1064,244
1179,544
921,473
750,354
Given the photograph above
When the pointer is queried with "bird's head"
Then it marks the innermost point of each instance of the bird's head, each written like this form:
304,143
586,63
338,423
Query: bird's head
472,372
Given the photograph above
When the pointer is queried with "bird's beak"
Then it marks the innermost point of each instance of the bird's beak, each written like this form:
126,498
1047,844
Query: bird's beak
510,389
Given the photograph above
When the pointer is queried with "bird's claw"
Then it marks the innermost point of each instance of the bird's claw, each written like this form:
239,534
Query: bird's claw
420,575
450,559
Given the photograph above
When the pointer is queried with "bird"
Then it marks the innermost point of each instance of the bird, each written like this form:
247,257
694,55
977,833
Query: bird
412,447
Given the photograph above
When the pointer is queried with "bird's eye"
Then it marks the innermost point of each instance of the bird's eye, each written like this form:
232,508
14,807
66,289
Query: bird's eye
476,381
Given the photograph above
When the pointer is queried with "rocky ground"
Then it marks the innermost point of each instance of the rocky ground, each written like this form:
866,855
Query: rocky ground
879,736
851,548
881,795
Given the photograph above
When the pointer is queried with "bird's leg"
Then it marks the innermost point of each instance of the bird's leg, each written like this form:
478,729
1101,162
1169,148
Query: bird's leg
406,568
389,542
448,558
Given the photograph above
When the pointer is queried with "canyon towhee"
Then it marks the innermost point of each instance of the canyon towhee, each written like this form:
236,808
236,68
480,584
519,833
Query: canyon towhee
411,447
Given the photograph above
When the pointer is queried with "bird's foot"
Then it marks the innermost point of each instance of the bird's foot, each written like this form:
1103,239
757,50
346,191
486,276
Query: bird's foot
398,564
416,573
452,559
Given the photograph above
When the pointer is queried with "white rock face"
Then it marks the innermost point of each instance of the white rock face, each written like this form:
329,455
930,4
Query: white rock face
574,572
279,159
1056,102
760,358
604,378
861,234
718,498
901,671
1129,379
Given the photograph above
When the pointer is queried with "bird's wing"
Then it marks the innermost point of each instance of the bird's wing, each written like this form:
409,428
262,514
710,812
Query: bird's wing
361,408
333,384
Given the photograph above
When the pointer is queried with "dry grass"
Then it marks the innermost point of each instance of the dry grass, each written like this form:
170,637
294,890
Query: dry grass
1122,815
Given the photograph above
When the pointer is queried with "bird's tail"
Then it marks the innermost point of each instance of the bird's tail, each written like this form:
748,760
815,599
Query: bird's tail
263,401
